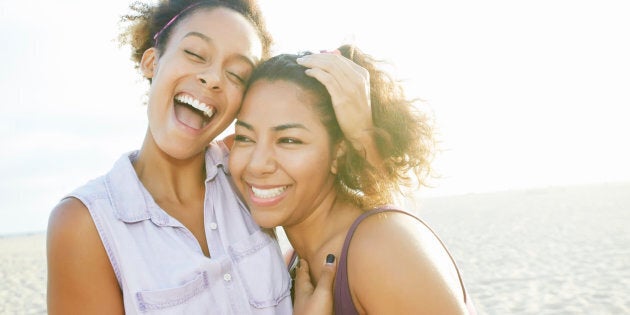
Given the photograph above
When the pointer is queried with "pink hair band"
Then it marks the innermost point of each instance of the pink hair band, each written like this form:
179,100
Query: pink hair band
157,35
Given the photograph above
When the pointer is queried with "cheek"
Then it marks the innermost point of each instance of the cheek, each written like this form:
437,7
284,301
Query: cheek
239,159
315,164
235,99
235,163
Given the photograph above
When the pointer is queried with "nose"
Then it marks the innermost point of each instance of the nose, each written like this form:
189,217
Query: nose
262,160
210,78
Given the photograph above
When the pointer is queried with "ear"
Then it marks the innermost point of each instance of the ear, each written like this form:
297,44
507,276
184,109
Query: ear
340,150
148,62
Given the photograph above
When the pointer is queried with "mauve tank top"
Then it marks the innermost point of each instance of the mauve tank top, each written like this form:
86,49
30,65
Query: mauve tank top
343,304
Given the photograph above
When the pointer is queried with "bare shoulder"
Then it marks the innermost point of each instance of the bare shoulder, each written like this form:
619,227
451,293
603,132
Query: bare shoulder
68,212
394,252
70,223
393,232
80,276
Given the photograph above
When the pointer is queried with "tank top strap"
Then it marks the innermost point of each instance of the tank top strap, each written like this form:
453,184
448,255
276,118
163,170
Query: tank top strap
343,303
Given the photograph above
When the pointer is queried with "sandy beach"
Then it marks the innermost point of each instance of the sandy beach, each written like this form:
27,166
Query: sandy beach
23,274
558,251
563,250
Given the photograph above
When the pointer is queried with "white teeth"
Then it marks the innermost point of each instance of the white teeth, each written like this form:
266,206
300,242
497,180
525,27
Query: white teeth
187,99
268,193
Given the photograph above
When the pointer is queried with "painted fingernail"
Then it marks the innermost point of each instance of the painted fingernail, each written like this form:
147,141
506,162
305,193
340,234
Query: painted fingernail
330,259
334,52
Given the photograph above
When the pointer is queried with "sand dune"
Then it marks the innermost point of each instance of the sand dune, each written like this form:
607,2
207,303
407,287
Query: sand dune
562,250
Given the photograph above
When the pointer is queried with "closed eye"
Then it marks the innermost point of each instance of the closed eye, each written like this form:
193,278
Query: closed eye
237,77
190,53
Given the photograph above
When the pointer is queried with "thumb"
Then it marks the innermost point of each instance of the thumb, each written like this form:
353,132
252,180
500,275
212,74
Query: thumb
318,300
327,277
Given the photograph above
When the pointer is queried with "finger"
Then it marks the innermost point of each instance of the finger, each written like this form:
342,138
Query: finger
334,52
319,300
334,64
303,285
327,276
337,73
348,96
331,82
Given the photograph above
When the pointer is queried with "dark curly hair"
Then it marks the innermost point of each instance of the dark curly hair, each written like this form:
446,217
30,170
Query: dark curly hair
403,134
147,20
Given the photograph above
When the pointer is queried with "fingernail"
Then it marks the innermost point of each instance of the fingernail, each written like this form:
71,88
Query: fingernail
334,52
330,259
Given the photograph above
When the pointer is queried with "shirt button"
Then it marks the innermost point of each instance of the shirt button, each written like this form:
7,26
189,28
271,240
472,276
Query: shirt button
227,277
213,226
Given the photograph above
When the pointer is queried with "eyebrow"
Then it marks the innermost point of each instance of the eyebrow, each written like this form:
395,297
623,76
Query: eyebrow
276,128
243,124
209,41
289,126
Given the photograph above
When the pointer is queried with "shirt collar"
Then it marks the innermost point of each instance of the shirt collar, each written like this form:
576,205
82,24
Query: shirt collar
133,203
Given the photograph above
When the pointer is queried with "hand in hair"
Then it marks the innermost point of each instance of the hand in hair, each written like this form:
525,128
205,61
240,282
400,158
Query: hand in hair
349,87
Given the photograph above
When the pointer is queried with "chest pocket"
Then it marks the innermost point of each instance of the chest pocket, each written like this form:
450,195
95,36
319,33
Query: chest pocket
261,267
167,300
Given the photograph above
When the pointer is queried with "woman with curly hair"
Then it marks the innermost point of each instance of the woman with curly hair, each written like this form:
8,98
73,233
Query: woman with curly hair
295,168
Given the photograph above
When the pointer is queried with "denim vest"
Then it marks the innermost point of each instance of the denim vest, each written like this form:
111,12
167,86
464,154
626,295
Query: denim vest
159,264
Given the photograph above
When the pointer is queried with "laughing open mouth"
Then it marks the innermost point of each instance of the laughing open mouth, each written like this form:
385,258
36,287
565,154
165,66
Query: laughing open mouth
192,112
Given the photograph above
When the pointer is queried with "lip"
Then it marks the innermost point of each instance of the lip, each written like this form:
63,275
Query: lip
266,202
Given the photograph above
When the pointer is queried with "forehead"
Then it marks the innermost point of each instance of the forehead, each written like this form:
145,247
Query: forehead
278,101
227,29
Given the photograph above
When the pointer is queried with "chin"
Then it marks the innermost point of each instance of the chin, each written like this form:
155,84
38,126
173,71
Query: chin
264,221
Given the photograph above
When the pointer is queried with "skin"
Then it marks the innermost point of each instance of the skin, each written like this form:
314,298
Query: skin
282,148
208,56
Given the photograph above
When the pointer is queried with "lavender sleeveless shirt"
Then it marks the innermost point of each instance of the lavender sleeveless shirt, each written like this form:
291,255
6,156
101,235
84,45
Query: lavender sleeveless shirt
158,262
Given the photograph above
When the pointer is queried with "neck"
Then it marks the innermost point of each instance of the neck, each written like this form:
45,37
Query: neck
323,232
167,178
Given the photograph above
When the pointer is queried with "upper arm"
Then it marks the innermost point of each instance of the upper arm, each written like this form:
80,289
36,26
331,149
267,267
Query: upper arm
81,279
397,266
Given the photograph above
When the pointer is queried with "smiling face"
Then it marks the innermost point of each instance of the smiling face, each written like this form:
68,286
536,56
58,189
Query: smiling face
198,81
281,161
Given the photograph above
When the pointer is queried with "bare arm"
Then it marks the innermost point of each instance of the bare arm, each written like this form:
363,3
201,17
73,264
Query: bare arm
396,266
349,87
80,277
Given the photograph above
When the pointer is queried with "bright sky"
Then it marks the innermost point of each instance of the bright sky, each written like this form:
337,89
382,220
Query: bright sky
524,93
